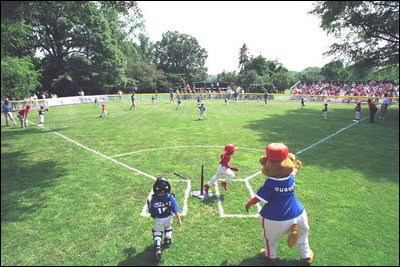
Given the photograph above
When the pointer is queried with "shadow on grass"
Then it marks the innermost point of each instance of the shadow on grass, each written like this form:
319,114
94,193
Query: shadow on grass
259,261
23,184
144,258
212,200
362,147
16,132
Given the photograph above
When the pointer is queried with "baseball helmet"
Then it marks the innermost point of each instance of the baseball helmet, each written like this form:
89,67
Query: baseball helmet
230,148
161,186
277,151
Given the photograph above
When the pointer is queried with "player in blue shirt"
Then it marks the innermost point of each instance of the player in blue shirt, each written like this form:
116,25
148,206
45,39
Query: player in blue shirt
162,207
202,112
266,97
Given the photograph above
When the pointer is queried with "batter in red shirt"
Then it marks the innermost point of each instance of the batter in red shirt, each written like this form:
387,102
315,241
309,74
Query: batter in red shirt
223,169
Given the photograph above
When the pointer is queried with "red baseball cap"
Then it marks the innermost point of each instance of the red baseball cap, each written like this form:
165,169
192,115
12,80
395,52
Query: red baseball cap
277,151
230,148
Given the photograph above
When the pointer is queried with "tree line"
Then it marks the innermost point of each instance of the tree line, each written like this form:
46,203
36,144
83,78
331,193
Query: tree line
101,47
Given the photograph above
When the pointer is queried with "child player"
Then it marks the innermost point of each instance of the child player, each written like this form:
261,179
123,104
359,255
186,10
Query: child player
223,169
104,110
202,111
42,110
357,109
325,111
162,207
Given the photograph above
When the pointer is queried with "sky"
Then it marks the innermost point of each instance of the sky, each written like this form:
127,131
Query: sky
281,30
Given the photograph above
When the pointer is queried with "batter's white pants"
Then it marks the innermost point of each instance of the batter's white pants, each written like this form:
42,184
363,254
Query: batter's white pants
273,231
222,170
325,115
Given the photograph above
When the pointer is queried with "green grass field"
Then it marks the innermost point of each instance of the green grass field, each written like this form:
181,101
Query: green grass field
62,204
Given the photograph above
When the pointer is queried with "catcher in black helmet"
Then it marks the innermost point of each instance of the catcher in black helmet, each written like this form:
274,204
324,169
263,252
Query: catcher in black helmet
162,207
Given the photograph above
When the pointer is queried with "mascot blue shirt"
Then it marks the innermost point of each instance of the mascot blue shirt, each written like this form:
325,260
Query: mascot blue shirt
281,202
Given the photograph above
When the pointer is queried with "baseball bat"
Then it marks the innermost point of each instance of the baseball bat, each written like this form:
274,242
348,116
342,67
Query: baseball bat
177,174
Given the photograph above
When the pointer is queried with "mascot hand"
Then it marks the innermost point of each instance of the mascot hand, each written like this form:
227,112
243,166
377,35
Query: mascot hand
234,169
296,163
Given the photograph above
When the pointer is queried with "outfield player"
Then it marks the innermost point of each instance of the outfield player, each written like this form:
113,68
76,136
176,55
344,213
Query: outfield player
179,103
133,99
223,169
266,98
202,112
162,207
302,102
104,110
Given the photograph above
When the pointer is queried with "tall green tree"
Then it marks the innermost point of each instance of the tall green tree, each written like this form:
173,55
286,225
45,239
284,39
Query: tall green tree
181,55
310,74
334,71
368,31
244,56
19,79
150,78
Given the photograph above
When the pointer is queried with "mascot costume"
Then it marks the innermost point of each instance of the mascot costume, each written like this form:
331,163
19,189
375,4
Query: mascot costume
282,213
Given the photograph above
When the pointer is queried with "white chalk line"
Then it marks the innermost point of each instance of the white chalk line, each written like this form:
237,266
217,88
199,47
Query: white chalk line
98,153
221,208
178,147
185,208
247,179
145,212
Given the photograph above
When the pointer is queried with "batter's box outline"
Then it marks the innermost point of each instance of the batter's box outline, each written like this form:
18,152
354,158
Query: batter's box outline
251,193
145,209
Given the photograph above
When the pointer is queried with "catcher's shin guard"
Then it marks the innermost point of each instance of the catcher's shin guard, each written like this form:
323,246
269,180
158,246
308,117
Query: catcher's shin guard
168,238
157,237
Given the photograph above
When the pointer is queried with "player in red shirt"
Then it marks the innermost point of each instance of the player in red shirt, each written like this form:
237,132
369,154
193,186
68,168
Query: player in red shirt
223,169
23,116
372,110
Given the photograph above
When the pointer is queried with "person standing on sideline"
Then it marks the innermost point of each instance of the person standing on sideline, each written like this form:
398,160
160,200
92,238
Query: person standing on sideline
302,102
133,99
7,110
384,106
372,110
23,116
96,102
358,112
325,111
